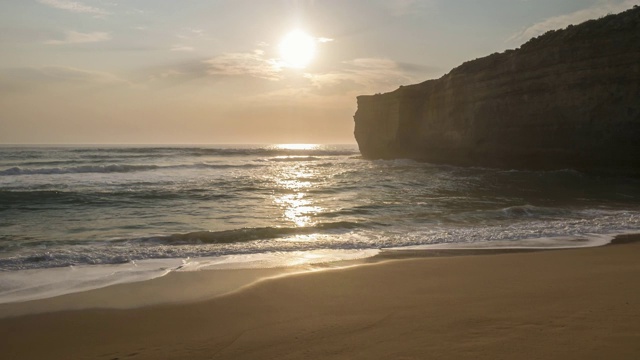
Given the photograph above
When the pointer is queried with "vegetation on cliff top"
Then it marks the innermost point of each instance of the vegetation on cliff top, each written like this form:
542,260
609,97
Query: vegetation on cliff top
627,22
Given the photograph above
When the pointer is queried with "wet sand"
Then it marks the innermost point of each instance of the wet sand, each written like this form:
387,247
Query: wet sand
566,304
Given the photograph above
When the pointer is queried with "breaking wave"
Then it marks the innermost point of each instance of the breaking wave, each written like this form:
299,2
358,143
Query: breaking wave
112,168
251,234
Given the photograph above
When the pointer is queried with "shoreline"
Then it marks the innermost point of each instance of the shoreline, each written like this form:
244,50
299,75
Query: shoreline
570,304
159,291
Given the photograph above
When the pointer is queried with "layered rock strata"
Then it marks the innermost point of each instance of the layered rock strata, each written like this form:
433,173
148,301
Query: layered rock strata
567,99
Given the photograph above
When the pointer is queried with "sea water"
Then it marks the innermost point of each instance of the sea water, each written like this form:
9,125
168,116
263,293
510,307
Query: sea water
74,218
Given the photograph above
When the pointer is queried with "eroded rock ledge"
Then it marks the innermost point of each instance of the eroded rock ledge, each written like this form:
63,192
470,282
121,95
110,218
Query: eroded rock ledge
567,99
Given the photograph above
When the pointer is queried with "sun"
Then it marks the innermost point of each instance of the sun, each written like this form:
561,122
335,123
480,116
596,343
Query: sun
297,49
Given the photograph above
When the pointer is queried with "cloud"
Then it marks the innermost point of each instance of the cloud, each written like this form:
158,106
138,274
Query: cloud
600,9
419,69
350,78
197,32
70,74
375,75
248,65
74,6
182,48
25,78
190,33
74,37
175,74
333,84
252,64
372,63
324,39
406,7
400,7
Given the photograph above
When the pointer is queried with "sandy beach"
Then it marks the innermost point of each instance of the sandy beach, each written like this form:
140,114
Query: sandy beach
416,179
567,304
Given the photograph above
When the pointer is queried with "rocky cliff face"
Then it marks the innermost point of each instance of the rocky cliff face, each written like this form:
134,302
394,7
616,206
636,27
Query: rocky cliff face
567,99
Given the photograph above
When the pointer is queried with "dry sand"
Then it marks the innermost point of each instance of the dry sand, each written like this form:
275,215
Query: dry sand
569,304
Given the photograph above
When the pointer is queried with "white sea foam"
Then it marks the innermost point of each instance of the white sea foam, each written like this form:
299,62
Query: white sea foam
36,284
25,285
541,243
276,259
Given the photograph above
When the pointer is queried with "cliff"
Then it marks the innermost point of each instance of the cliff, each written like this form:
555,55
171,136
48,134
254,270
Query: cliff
567,99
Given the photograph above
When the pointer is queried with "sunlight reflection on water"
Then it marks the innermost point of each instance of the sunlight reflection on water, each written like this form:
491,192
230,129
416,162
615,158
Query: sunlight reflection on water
297,205
297,146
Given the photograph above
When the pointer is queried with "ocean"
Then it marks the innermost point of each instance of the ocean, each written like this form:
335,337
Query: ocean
77,218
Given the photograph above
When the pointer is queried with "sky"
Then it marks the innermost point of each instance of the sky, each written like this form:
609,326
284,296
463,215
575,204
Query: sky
217,72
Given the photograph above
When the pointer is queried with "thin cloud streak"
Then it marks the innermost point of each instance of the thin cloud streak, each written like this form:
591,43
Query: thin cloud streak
71,74
340,85
74,6
182,48
74,37
18,80
400,8
252,64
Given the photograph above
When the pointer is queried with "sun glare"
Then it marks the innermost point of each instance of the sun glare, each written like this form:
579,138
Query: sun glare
297,49
297,146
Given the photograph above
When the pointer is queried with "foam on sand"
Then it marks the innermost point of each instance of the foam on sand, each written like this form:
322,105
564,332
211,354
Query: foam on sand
25,285
542,243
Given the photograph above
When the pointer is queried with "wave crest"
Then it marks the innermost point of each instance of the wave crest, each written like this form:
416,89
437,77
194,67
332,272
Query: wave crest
112,168
252,234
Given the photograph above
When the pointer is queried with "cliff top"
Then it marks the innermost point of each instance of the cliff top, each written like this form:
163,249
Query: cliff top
627,22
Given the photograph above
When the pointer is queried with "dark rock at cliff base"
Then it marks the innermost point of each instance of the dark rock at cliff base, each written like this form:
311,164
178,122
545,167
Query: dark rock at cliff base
567,99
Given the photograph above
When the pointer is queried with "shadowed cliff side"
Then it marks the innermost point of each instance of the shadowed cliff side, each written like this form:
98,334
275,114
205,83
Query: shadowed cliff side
567,99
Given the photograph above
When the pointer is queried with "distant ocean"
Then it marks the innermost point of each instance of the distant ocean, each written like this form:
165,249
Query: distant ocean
75,218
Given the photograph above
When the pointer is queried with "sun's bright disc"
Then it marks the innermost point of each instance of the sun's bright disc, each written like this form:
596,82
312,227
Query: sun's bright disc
297,49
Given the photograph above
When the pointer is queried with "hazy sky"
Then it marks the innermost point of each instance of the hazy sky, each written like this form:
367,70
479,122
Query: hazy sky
212,71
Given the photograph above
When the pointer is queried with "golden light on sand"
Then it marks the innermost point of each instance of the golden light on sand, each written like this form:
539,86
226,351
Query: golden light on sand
297,49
